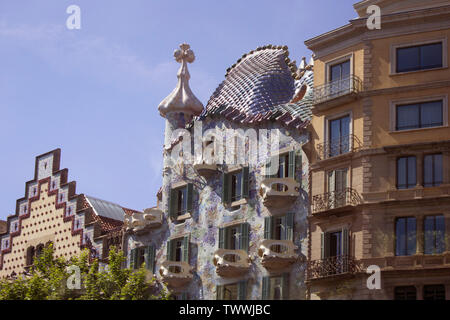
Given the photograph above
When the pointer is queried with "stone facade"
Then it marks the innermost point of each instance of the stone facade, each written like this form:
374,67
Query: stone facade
357,200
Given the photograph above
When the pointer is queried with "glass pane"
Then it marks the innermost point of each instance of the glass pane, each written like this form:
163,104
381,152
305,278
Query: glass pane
428,171
335,72
431,56
412,172
431,114
345,69
440,234
429,235
407,117
408,59
411,234
437,169
400,236
401,173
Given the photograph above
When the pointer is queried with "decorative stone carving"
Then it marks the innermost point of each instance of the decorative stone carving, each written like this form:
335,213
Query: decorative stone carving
231,263
277,254
139,221
278,192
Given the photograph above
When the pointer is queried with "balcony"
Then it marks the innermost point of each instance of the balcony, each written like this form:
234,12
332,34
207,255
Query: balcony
336,147
142,221
278,192
176,273
205,170
337,92
277,254
333,267
335,200
231,263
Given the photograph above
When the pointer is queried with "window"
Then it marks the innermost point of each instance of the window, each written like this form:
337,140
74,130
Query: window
434,233
434,292
279,228
234,237
406,172
405,232
419,115
432,170
334,244
405,293
340,71
235,291
422,57
235,185
178,249
337,188
276,287
339,136
286,167
141,255
30,256
180,202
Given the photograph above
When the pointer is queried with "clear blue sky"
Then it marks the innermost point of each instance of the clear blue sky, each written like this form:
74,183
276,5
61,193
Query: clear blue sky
94,92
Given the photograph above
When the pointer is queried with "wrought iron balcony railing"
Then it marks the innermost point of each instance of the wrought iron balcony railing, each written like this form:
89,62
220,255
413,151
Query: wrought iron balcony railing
335,199
336,147
333,266
337,88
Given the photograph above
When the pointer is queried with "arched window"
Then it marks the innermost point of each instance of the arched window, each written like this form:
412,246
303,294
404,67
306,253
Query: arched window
39,250
30,256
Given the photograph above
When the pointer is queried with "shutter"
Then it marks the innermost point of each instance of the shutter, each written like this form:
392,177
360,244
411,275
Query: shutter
133,259
268,227
265,288
221,238
289,226
225,188
184,296
189,198
345,241
267,173
219,292
242,290
291,165
186,249
244,239
170,250
245,182
322,245
173,201
327,245
285,287
331,188
150,258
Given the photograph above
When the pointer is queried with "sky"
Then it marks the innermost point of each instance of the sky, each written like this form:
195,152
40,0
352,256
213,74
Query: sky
94,92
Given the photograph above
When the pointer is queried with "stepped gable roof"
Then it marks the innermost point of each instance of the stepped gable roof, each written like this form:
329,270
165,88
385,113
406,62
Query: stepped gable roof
263,86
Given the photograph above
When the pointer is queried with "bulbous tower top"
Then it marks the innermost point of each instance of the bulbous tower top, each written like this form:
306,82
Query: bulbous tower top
182,100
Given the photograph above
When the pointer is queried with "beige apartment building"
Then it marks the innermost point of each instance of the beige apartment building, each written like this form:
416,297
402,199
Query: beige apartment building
379,155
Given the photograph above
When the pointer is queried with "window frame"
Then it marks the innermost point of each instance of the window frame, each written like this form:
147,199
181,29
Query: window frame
419,106
434,183
417,100
338,60
406,171
435,238
396,46
396,238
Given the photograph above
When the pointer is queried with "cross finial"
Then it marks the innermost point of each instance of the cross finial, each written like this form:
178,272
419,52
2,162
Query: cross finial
184,53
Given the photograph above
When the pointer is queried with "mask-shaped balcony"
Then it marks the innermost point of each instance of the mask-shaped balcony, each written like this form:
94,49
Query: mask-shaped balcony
277,254
335,201
277,192
142,221
231,263
333,267
205,170
337,92
176,273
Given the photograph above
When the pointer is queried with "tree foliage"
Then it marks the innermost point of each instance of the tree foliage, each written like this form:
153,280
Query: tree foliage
49,279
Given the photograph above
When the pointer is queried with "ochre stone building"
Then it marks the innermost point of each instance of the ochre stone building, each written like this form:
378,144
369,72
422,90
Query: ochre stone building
379,155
